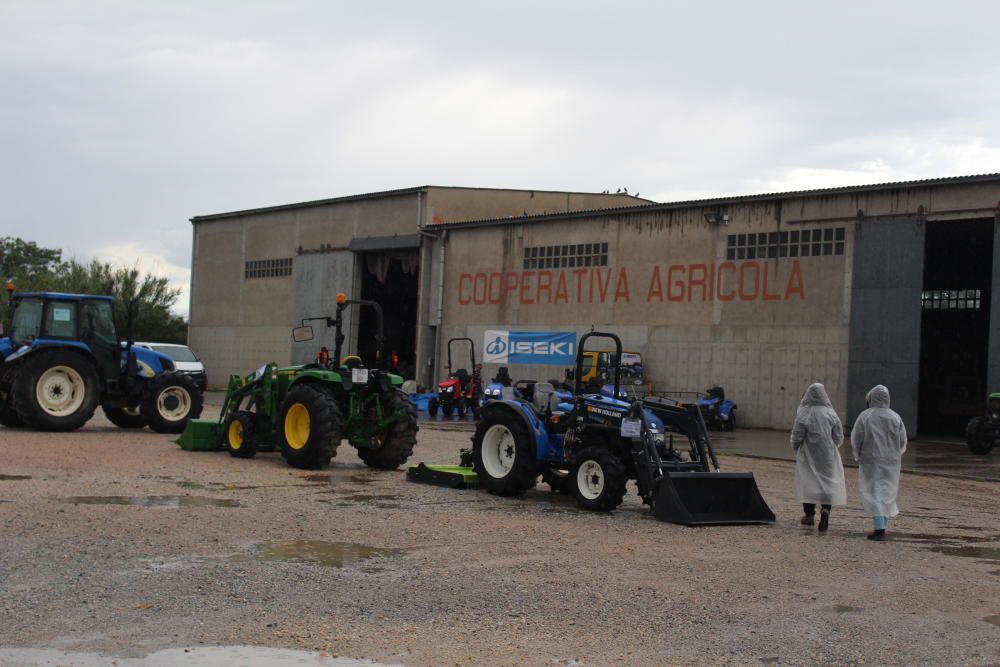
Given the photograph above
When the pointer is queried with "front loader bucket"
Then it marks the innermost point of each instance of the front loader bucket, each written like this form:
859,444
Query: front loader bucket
200,435
710,498
453,477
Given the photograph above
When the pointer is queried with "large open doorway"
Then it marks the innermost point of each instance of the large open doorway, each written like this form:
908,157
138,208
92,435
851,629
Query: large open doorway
954,343
391,279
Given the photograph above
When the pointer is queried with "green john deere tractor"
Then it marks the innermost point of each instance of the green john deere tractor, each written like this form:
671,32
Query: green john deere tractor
305,411
983,432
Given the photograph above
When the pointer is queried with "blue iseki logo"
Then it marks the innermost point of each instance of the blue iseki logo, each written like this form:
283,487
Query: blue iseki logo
555,348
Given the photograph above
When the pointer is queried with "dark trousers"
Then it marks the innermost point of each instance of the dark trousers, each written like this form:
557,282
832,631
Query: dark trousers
810,508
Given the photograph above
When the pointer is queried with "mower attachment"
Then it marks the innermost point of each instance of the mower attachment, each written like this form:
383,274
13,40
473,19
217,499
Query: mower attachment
453,477
200,435
710,498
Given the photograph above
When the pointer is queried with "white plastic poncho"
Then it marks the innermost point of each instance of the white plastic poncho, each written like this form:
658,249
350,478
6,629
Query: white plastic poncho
816,435
878,440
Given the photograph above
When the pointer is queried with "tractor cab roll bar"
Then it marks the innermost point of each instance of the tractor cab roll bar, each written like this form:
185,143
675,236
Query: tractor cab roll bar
581,348
337,322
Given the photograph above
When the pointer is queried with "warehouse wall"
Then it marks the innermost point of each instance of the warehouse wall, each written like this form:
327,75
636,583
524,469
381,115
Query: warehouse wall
762,328
239,323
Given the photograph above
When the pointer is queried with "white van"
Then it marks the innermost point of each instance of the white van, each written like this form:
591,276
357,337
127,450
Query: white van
185,359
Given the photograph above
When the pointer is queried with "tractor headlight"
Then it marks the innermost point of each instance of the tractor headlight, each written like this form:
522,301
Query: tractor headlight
446,390
996,415
494,392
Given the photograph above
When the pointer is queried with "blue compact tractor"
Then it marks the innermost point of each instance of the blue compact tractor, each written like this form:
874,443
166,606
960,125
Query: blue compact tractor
62,358
592,444
718,411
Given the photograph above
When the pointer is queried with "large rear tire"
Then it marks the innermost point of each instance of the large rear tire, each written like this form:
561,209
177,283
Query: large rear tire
124,417
397,443
8,415
979,435
239,435
57,390
170,401
504,453
309,427
599,480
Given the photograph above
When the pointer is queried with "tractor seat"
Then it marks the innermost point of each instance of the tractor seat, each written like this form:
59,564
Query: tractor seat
540,397
352,361
462,376
717,392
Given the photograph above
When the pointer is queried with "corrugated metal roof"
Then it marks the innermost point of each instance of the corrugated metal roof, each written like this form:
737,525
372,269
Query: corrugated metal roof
377,195
306,204
717,201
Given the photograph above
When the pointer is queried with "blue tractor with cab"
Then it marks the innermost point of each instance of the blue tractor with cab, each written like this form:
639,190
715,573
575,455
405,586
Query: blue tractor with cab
592,444
62,358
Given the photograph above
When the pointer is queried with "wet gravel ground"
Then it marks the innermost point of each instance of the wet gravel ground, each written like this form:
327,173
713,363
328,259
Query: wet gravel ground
121,543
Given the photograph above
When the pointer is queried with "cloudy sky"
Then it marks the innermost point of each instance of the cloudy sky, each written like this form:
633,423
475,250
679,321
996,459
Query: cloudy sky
119,120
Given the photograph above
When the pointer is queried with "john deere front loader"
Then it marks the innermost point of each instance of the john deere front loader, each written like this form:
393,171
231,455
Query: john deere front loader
305,411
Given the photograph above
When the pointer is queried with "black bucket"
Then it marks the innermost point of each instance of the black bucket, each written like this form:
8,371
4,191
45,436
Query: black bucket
710,498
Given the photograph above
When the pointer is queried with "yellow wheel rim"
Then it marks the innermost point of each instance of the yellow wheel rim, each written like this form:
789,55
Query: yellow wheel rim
297,426
235,434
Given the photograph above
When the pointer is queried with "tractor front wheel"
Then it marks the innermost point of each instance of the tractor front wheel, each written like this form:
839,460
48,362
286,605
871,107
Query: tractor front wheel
462,408
309,427
396,443
239,435
56,390
170,401
979,435
432,406
599,480
124,417
504,453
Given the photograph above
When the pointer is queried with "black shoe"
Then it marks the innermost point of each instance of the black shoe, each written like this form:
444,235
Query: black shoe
877,535
824,521
808,519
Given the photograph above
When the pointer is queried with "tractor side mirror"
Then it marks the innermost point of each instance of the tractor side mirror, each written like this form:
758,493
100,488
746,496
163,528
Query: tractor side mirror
302,334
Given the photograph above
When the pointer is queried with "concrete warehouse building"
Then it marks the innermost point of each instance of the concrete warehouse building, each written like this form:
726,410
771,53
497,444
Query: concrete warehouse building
256,273
761,294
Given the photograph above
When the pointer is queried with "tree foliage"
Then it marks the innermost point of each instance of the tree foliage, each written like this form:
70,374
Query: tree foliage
36,269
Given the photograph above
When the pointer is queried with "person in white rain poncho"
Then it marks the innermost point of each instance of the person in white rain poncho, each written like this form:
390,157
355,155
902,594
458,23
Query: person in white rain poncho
878,440
819,472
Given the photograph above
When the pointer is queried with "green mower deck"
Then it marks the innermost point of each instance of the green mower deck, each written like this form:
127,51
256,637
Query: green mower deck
450,476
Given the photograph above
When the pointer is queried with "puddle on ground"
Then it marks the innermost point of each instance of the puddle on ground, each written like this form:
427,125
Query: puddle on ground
353,478
994,620
329,554
383,501
773,660
203,656
152,501
13,478
843,608
982,553
213,486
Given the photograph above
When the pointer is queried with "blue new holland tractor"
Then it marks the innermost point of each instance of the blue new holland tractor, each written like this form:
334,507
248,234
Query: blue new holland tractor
592,444
63,357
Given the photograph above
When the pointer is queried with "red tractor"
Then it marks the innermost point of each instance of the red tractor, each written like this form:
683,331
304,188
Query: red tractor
460,392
